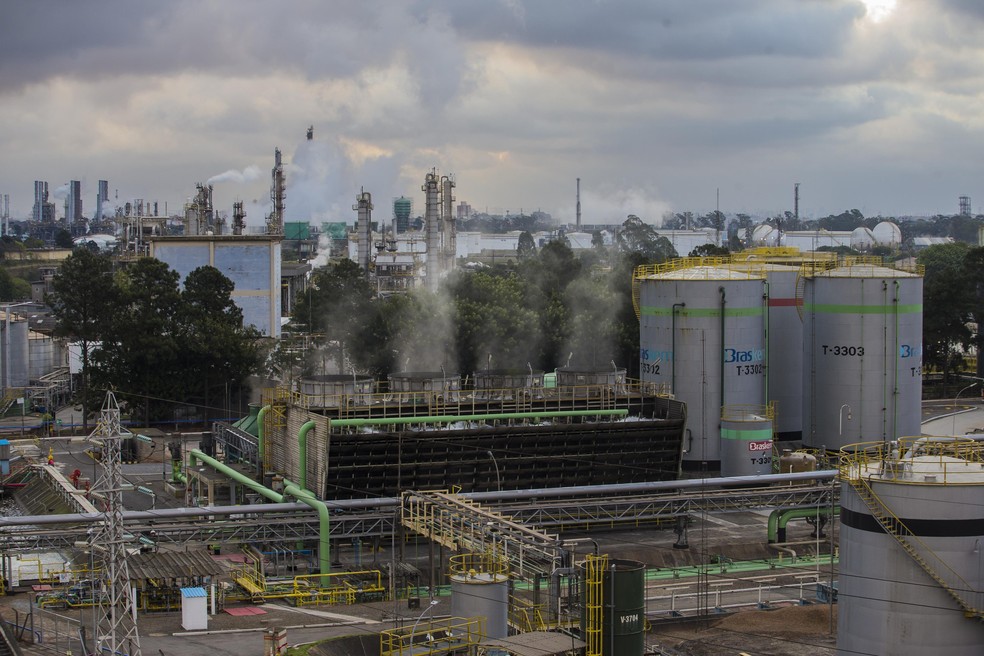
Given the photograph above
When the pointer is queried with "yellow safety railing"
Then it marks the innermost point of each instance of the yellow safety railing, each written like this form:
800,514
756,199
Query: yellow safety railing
917,460
594,568
442,636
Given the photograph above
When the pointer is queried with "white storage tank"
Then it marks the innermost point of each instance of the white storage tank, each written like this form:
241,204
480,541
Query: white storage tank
862,354
480,588
911,583
41,355
14,342
702,332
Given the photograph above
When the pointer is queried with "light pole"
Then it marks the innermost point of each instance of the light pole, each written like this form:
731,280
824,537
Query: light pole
433,602
840,422
953,427
498,479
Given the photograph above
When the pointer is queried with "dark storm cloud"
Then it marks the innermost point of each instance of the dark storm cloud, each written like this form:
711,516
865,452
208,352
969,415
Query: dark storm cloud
667,30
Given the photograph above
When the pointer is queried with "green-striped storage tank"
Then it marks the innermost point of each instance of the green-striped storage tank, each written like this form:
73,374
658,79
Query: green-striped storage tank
746,440
624,608
862,354
702,333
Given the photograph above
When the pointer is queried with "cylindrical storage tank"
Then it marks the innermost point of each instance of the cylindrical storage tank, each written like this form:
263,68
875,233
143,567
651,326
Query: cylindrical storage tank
790,462
623,601
480,588
507,383
413,386
746,440
862,355
41,355
335,390
591,382
888,603
15,345
784,337
702,333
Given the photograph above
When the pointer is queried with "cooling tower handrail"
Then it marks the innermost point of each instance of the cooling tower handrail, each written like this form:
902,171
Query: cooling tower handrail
447,419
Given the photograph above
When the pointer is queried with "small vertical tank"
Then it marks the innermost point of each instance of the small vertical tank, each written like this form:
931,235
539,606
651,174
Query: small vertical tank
746,440
480,588
623,602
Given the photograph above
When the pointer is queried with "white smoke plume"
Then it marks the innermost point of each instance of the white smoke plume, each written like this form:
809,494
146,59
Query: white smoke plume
613,205
248,174
61,193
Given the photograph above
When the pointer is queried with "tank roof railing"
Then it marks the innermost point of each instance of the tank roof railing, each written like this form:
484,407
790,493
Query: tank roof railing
864,266
920,460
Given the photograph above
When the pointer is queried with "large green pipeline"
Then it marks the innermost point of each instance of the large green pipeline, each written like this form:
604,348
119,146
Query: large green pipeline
447,419
259,436
305,497
302,447
779,517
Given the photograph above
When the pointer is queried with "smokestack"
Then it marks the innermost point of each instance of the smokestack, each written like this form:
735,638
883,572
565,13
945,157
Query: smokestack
796,201
579,204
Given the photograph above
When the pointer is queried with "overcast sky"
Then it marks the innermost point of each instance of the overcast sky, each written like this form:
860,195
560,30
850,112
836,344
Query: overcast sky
655,104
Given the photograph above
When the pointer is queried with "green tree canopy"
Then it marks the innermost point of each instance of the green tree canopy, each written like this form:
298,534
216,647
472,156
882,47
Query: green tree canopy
948,300
83,303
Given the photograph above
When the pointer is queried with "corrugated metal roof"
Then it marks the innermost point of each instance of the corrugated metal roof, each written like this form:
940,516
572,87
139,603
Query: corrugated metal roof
188,593
173,565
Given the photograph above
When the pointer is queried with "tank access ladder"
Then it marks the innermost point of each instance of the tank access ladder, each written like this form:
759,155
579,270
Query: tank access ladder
897,529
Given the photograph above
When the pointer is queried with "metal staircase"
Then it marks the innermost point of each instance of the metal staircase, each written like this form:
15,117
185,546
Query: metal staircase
897,529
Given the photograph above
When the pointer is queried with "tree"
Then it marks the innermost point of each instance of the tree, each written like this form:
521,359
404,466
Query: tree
947,304
217,349
974,268
13,288
140,350
525,246
337,301
642,238
709,250
82,303
63,238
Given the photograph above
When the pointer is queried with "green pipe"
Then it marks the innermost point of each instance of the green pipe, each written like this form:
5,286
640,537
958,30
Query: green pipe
302,446
444,419
259,436
240,478
305,497
324,544
779,517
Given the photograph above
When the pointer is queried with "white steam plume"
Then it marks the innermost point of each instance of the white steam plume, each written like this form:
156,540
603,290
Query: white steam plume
248,174
612,206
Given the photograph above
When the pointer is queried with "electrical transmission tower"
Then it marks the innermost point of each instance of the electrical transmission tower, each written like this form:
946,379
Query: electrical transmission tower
116,632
